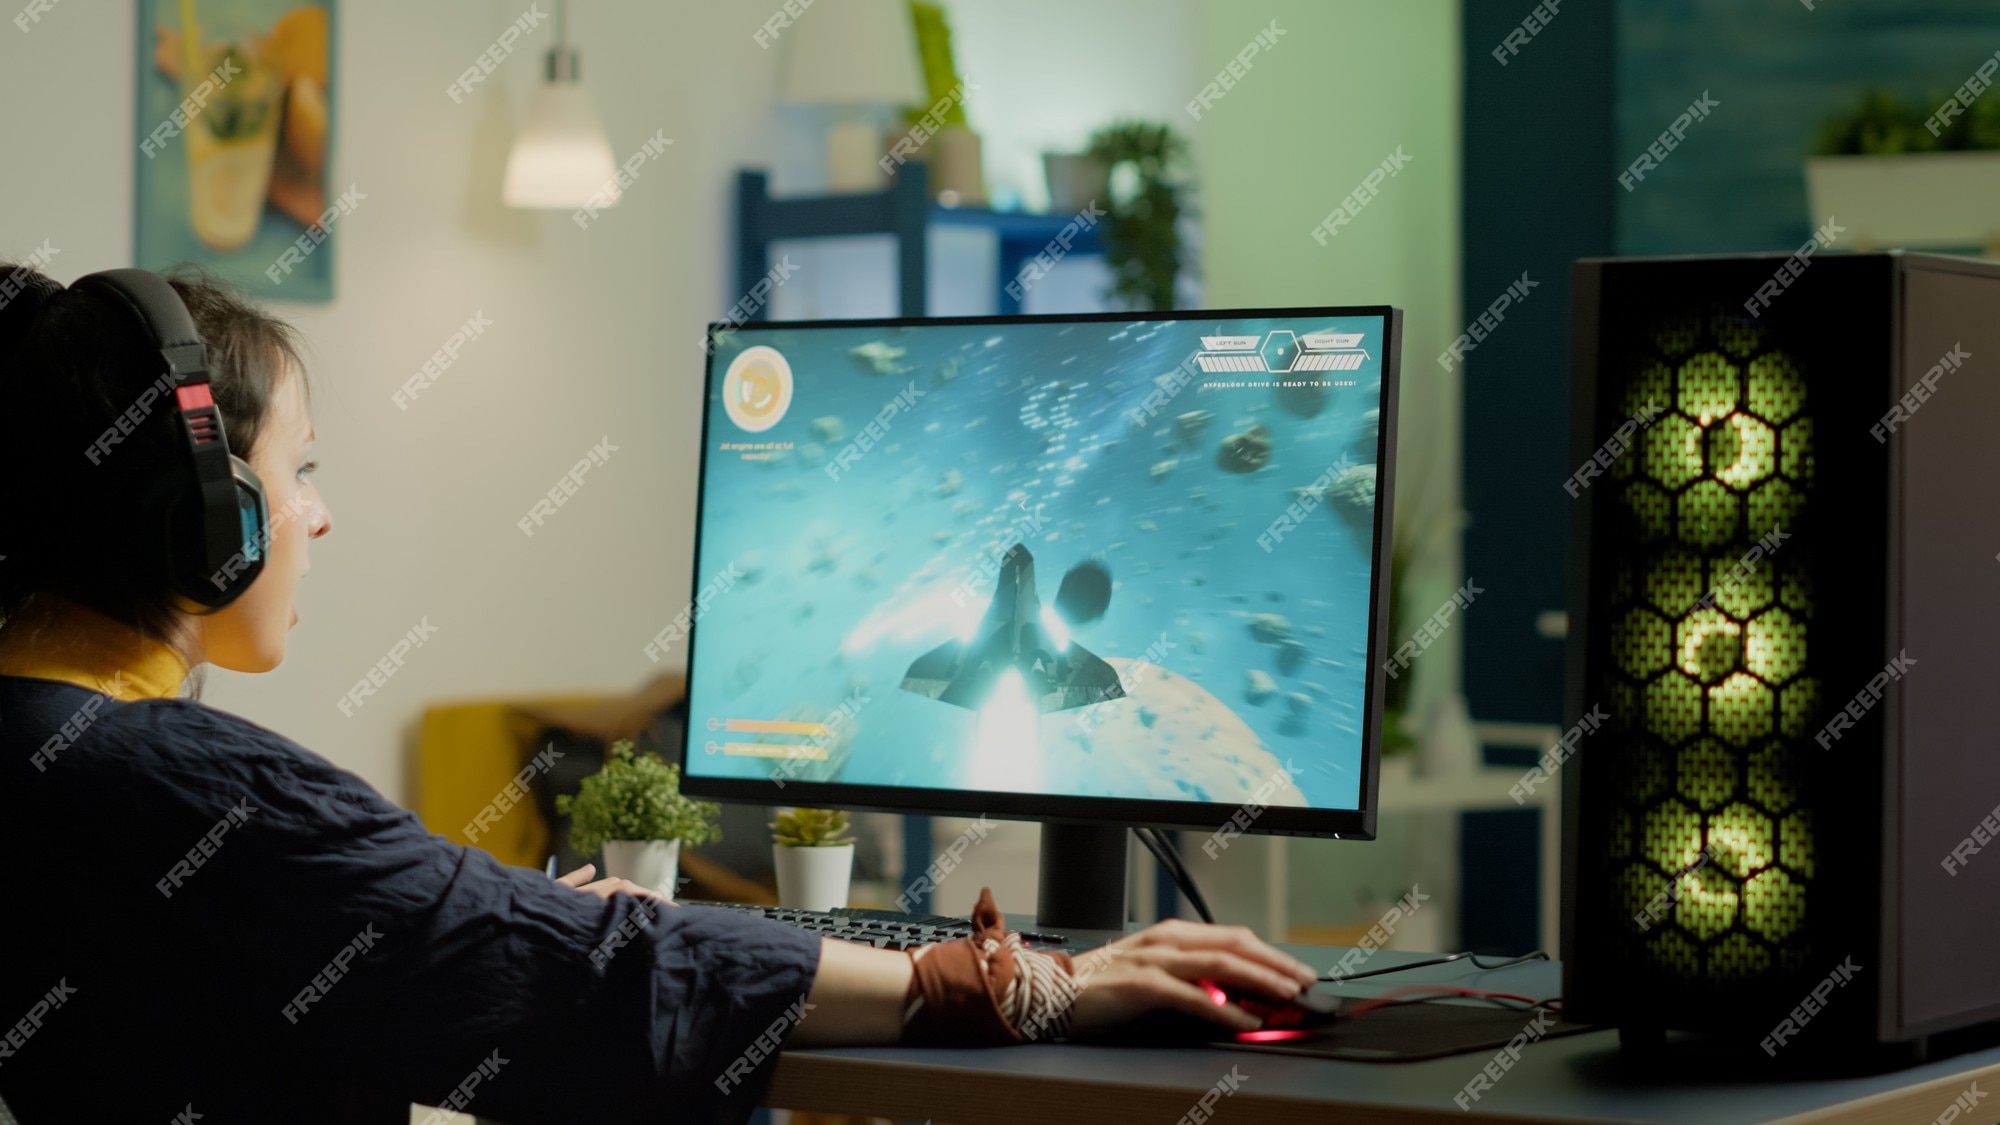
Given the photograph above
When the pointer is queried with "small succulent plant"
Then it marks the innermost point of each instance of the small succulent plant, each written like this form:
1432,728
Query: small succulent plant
811,828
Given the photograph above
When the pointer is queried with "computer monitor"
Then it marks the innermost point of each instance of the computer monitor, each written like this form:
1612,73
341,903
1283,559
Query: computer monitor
1097,570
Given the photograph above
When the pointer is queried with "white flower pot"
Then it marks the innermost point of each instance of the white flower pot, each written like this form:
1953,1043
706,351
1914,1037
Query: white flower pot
653,864
1940,200
813,878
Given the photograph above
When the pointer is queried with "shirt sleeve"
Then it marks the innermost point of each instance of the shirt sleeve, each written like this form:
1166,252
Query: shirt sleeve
348,930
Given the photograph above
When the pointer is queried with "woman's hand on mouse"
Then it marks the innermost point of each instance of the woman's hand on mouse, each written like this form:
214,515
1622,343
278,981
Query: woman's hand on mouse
1156,970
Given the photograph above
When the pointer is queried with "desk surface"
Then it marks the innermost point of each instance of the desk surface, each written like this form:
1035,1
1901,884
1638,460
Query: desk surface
1574,1078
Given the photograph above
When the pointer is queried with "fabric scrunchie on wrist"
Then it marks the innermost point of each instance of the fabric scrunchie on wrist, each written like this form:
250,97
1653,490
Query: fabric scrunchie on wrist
988,988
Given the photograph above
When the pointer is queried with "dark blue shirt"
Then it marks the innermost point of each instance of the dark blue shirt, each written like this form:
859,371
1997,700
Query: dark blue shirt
205,916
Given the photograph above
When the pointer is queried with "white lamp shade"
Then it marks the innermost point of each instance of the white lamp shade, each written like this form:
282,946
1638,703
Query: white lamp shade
854,52
561,159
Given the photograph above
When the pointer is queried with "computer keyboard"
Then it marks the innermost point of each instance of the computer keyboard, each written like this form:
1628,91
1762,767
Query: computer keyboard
883,929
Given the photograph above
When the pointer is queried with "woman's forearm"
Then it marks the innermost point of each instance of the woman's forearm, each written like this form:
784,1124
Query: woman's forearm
856,998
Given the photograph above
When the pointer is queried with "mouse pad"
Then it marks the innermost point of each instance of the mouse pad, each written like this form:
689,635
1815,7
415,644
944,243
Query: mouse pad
1408,1033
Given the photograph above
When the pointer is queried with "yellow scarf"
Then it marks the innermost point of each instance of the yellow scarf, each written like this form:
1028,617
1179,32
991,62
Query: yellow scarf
75,644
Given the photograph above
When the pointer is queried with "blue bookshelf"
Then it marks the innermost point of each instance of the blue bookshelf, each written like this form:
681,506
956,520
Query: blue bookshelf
905,210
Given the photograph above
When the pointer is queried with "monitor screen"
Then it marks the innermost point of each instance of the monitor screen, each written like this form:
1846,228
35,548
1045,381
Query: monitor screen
1125,569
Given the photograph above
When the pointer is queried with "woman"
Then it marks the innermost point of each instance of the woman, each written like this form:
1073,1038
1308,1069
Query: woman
249,930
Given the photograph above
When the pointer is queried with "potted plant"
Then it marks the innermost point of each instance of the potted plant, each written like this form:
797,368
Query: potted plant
814,856
634,810
1896,175
957,172
1142,239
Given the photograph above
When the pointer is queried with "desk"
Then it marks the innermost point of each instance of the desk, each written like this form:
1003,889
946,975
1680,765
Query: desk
1574,1078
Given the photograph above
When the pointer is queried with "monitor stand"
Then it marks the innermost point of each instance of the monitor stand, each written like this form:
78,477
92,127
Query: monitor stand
1082,884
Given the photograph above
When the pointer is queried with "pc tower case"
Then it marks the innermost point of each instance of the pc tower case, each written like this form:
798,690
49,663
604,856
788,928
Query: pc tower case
1785,604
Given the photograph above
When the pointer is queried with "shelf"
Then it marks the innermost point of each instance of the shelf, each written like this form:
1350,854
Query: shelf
905,211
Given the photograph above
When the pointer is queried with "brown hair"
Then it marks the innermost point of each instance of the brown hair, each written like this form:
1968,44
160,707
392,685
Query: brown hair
71,363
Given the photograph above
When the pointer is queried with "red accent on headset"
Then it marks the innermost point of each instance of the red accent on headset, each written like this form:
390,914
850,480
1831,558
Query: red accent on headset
194,397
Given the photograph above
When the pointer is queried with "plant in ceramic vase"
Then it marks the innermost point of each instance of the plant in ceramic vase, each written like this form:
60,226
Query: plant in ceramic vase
1142,241
814,856
635,811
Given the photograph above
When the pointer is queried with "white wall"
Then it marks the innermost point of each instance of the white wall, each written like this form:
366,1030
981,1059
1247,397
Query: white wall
595,333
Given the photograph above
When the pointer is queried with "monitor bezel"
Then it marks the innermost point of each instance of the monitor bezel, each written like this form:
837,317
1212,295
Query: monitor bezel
1353,824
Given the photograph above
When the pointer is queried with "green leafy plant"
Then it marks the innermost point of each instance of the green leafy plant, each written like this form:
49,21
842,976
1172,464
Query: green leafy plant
1881,125
637,797
811,828
1142,241
940,72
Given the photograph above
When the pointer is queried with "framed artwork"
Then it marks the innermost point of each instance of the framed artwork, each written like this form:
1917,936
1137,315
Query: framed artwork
235,131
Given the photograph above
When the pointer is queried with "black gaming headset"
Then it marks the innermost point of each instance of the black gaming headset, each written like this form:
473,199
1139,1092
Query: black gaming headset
214,510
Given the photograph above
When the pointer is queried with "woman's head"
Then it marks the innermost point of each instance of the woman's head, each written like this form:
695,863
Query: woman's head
85,521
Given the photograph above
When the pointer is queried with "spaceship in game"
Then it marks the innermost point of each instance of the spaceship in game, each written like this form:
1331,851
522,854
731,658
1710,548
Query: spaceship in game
1018,634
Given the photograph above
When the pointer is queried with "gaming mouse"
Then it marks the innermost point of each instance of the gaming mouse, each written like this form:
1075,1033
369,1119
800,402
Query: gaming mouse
1302,1015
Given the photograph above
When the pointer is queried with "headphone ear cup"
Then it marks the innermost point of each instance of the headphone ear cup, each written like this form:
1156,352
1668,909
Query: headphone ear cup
254,518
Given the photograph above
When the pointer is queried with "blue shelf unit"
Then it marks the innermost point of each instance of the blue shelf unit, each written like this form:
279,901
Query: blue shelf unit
905,210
